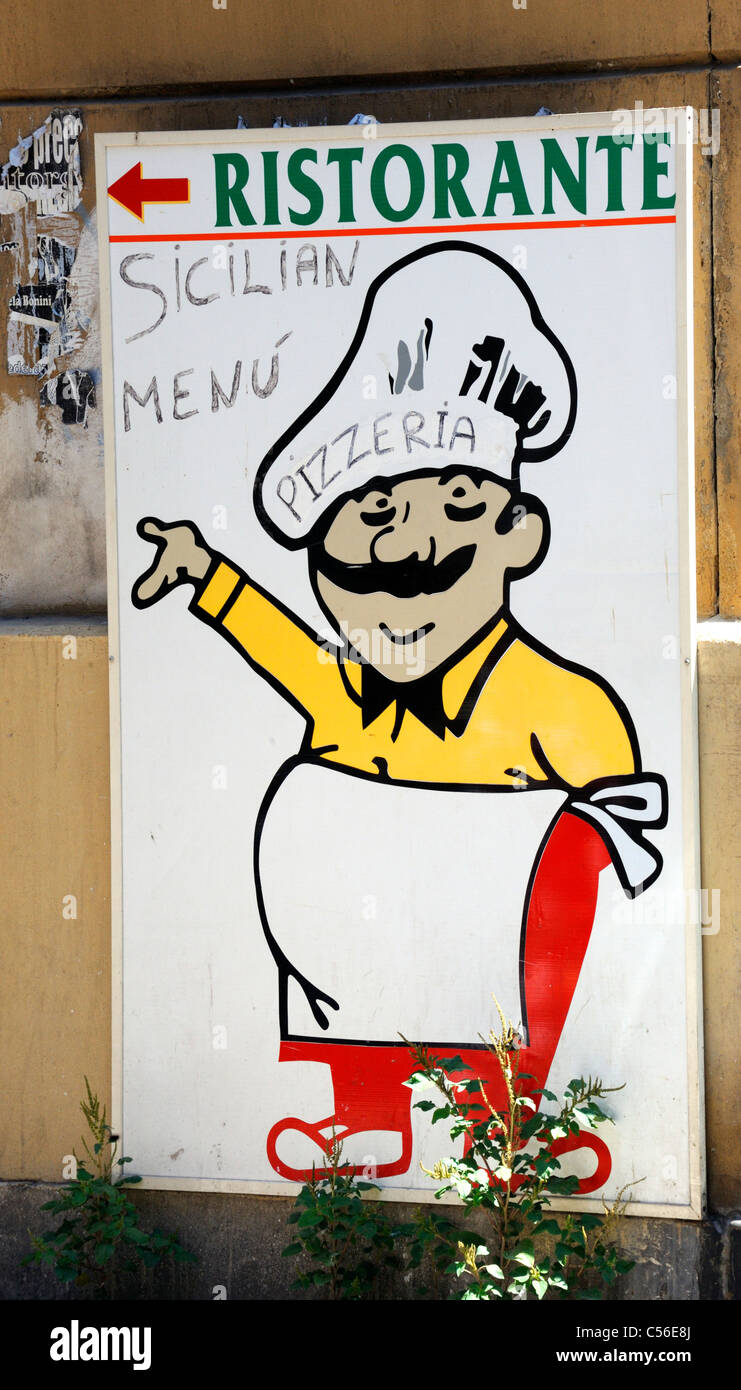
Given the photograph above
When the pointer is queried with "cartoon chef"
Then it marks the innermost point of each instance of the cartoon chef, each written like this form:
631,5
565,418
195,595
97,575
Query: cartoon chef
459,789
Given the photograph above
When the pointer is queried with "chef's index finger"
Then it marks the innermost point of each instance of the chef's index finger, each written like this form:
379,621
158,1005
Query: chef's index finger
150,528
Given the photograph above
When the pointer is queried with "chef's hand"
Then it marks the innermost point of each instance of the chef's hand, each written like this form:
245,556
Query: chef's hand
182,557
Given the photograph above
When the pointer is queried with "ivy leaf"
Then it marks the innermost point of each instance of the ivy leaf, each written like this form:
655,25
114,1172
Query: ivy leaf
548,1226
310,1218
544,1164
453,1064
184,1257
136,1236
558,1132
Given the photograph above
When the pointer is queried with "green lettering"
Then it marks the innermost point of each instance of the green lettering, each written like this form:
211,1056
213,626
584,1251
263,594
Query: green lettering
514,184
416,182
653,169
230,195
345,158
270,180
573,185
306,186
614,144
449,183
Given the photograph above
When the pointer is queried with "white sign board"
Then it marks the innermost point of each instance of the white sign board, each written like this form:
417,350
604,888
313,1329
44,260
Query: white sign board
398,427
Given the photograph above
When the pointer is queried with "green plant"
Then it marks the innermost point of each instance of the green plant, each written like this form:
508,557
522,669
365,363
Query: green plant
509,1173
346,1240
99,1220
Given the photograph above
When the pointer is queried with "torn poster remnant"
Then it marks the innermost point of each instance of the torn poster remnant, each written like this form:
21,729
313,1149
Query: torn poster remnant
37,305
44,168
73,393
44,308
51,308
44,321
55,258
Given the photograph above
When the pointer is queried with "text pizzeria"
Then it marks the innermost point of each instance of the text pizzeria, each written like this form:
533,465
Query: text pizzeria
308,481
400,181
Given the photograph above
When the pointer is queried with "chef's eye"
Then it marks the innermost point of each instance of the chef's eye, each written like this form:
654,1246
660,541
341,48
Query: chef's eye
382,514
380,517
454,513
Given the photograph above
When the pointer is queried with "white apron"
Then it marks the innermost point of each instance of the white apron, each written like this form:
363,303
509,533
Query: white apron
403,903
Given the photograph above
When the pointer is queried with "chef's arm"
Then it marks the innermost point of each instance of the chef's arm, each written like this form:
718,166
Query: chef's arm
267,635
271,638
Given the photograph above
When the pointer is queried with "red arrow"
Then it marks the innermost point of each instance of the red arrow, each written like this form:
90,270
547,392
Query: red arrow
132,191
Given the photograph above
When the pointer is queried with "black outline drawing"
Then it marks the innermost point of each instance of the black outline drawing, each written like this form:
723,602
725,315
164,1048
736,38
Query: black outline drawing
523,454
455,726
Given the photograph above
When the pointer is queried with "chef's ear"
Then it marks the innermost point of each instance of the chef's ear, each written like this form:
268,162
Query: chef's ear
524,525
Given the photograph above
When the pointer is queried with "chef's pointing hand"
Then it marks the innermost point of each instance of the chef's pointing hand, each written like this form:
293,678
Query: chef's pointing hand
182,557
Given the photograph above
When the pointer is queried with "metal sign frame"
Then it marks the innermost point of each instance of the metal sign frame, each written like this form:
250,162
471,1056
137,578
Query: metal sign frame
556,125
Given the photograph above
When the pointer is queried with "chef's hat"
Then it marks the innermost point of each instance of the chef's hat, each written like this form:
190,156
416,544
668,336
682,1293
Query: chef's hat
465,371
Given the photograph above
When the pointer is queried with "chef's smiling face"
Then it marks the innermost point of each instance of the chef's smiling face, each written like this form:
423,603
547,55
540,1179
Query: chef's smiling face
412,569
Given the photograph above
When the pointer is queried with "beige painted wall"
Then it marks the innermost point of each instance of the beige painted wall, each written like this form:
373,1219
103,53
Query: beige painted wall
55,981
726,96
720,807
177,43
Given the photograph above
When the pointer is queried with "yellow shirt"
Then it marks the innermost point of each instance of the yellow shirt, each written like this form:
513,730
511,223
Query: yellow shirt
519,714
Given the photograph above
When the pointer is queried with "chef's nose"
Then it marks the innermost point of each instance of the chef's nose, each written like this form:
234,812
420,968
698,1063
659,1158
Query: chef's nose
407,534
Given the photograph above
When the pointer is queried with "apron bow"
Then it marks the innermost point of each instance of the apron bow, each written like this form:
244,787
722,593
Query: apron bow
622,808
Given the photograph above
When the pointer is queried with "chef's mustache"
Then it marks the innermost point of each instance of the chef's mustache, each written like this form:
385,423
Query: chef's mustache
406,578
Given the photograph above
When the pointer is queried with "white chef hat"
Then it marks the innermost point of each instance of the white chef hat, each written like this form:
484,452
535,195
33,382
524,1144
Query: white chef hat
466,373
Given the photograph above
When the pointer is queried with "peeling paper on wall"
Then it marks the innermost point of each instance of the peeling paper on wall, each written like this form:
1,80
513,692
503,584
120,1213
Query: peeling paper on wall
43,307
73,393
44,168
46,319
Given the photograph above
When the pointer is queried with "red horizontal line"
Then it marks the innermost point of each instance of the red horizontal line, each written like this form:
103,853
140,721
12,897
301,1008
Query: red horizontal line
307,233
